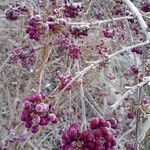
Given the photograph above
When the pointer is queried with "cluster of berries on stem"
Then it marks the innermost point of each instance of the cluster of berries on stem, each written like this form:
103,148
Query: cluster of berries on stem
71,10
74,51
108,32
64,80
79,31
99,136
13,12
37,112
35,27
26,57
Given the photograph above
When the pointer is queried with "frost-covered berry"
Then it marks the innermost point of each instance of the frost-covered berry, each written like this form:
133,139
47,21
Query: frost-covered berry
39,108
52,117
27,104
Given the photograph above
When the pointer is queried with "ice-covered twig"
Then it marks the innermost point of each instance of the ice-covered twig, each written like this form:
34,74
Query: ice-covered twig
130,91
139,16
99,22
82,98
144,128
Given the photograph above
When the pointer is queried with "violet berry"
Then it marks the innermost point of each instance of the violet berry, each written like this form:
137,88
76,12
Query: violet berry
28,124
34,129
97,133
52,117
130,115
27,104
134,69
72,133
94,123
39,107
43,121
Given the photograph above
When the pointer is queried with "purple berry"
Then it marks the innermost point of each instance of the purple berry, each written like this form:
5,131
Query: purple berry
39,108
97,133
134,69
28,124
94,123
34,129
52,117
130,115
72,133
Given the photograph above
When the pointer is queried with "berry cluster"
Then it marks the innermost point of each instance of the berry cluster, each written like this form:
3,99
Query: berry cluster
79,31
13,12
64,80
63,41
71,10
145,6
136,50
134,69
99,136
134,26
108,32
54,24
118,9
99,15
101,48
35,27
130,145
74,52
37,112
26,58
